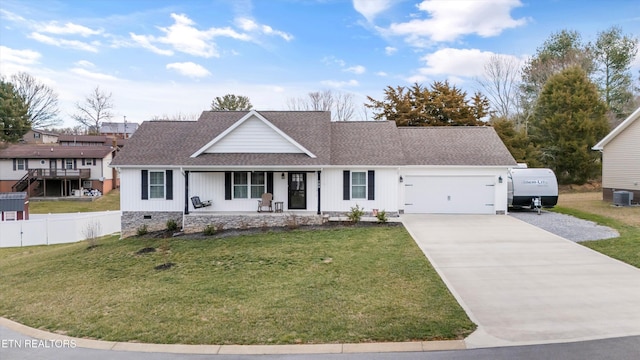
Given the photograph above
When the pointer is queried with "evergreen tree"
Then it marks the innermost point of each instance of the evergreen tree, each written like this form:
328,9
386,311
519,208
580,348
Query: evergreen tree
441,105
569,119
517,141
614,53
14,113
231,102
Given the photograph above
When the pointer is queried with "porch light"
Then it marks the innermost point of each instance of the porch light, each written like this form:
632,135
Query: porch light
401,179
282,176
500,179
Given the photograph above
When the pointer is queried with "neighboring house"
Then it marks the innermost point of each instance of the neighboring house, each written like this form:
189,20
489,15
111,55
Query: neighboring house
55,170
14,206
38,136
85,140
621,158
310,164
122,130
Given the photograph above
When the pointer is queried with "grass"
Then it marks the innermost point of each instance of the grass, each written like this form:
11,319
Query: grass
111,201
350,285
626,220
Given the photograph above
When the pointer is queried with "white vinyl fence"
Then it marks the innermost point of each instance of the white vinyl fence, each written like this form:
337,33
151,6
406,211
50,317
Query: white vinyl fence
58,228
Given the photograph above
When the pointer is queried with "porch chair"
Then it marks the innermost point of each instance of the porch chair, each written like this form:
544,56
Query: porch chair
199,204
265,202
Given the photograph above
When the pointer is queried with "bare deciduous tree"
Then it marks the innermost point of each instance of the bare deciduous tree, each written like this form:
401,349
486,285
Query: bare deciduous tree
500,84
41,100
343,107
95,109
340,104
178,116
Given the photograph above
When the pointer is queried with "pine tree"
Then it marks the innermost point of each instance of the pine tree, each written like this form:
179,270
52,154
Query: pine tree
569,119
14,113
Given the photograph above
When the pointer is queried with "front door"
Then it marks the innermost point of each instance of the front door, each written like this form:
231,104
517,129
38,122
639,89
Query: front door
297,190
53,164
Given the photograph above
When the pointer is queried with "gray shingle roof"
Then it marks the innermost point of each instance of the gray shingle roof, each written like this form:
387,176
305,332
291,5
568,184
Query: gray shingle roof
53,151
454,145
171,143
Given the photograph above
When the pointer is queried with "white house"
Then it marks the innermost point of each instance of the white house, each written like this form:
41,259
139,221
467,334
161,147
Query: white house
313,166
621,158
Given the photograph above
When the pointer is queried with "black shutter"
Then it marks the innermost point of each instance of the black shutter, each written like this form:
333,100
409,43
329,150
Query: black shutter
75,164
227,185
26,164
14,164
169,185
346,185
83,162
371,185
94,162
270,182
145,184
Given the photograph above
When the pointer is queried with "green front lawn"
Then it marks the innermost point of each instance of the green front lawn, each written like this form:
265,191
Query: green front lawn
111,201
344,285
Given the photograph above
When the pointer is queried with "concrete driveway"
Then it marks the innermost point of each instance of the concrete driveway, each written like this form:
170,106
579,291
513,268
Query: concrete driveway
523,285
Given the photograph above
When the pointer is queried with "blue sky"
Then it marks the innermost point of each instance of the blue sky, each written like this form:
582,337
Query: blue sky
165,57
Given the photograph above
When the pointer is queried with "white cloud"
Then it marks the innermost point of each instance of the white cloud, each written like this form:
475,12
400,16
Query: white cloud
330,60
189,69
458,63
145,43
382,73
250,25
183,36
93,75
371,8
11,16
84,64
24,57
450,20
358,69
68,29
340,84
64,43
389,50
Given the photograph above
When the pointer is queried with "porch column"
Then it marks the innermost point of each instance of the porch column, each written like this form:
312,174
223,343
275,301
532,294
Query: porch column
319,192
186,192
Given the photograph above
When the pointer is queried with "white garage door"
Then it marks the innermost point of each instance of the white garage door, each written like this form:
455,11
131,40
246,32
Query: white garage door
449,195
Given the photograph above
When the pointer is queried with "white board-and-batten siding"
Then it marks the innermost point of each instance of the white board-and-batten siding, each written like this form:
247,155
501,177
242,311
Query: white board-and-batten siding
385,196
621,160
131,192
253,136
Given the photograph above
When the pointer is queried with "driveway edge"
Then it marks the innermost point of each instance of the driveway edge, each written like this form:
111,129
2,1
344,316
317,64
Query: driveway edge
413,346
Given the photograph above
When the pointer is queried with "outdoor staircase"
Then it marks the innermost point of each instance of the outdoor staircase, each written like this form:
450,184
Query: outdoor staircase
27,182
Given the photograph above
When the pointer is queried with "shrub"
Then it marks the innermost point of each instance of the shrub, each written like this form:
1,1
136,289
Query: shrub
382,217
355,214
209,230
172,225
91,233
142,230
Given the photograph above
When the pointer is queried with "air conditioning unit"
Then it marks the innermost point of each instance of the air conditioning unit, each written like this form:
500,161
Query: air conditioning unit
622,198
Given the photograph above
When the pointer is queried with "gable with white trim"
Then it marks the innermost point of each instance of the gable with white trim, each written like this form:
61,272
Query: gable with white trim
253,136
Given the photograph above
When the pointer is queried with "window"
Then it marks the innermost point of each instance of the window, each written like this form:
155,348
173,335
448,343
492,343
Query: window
36,135
156,184
245,181
20,164
358,185
42,162
10,215
86,184
89,162
68,164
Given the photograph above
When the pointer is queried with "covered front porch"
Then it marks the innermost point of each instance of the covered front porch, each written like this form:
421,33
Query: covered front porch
238,191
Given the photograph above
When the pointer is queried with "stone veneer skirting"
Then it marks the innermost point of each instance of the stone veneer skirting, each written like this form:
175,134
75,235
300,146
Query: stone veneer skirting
195,222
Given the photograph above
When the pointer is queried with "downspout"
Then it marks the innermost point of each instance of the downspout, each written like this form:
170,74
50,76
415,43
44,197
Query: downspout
319,171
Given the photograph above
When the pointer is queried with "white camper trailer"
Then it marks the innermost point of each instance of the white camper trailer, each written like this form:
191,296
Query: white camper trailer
534,188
